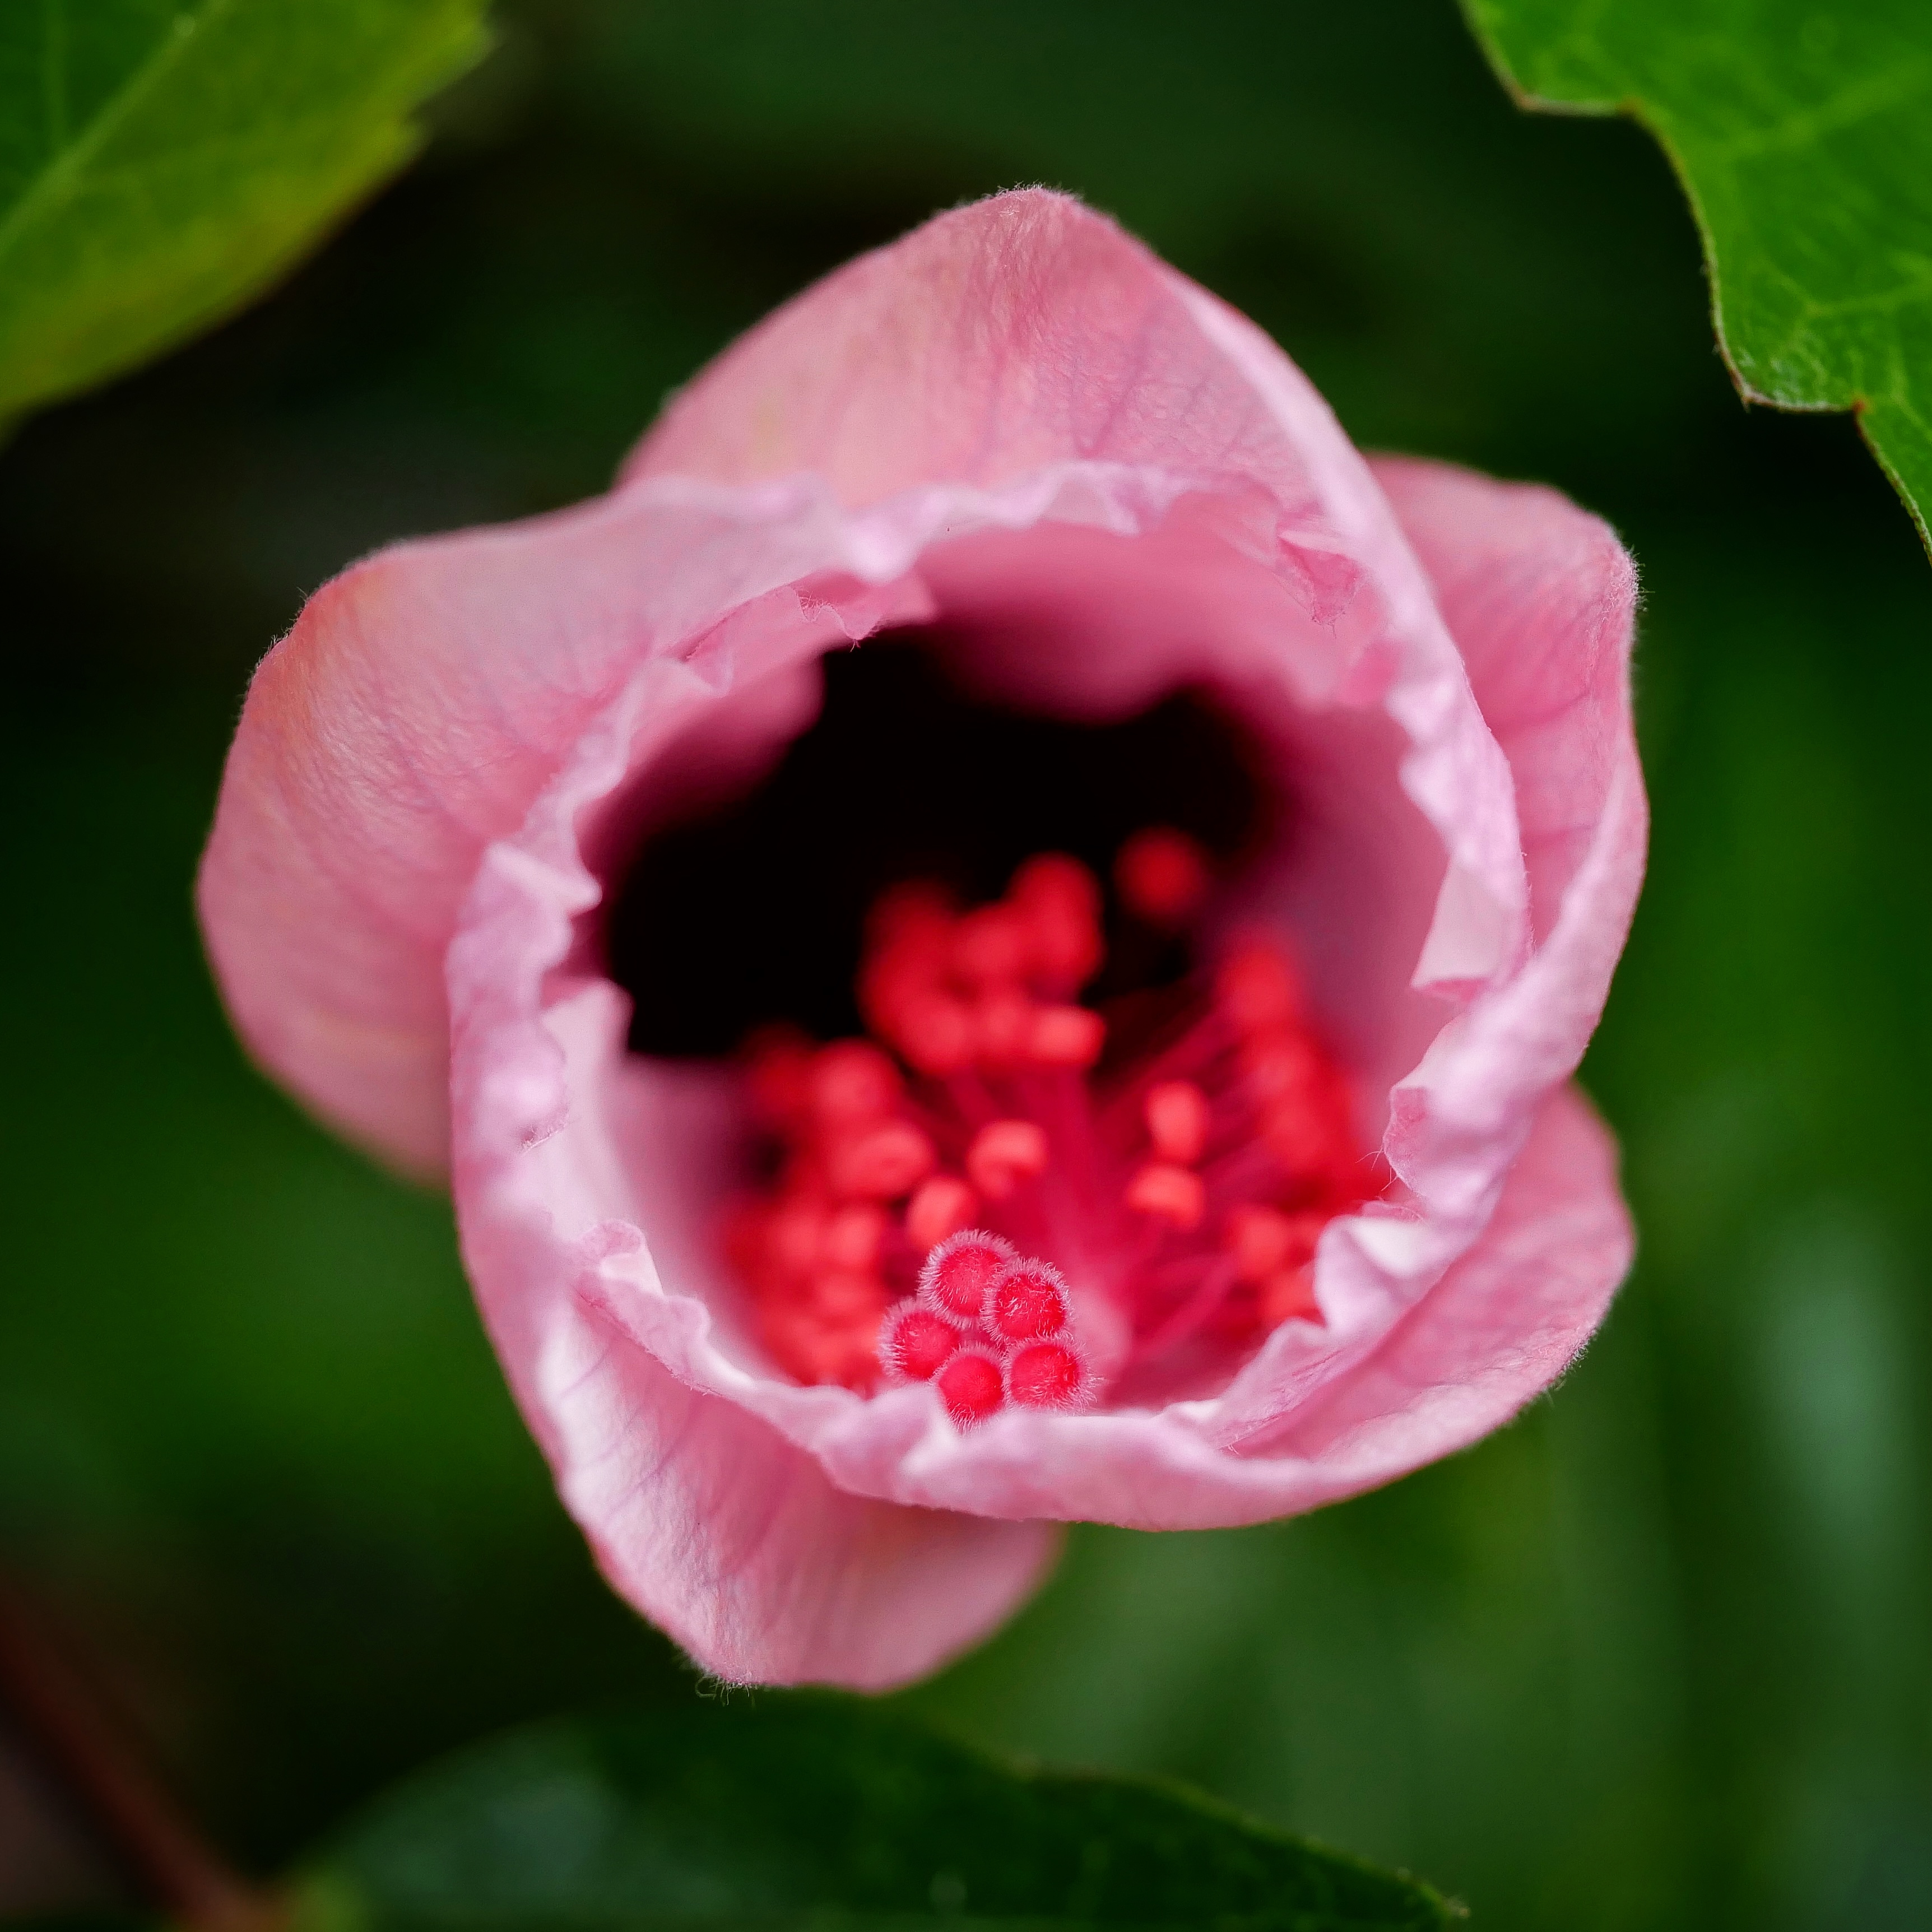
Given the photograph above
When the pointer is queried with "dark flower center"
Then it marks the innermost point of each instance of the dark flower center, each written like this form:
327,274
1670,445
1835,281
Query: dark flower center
753,913
952,1032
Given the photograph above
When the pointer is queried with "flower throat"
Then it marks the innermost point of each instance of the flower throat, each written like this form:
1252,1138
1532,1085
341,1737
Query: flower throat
1031,1200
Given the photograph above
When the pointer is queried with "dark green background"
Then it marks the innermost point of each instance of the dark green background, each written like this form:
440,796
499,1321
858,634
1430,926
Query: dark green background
1656,1655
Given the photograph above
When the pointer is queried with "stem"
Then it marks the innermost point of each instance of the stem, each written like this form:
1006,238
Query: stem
176,1867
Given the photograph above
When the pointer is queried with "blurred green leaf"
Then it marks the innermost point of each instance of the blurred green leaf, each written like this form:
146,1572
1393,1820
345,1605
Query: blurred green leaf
1802,134
160,160
784,1807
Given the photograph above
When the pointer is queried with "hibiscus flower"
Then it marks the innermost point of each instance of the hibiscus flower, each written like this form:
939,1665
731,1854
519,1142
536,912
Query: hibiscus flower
997,936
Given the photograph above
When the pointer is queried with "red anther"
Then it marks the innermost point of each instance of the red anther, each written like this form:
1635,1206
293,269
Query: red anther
1028,1301
971,1387
1060,899
1263,1240
1281,1063
934,1031
1002,1029
958,1273
853,1082
941,1206
1174,1194
778,1067
964,1005
1045,1375
1176,1120
915,916
1257,987
852,1237
888,980
1162,876
848,1296
794,1234
818,1350
1003,1153
990,945
1303,1138
1289,1295
916,1343
1067,1036
909,934
879,1163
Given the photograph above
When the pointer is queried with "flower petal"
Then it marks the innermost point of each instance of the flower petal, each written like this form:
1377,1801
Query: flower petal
1026,330
423,699
1495,1330
1012,333
1498,1328
735,1541
1541,598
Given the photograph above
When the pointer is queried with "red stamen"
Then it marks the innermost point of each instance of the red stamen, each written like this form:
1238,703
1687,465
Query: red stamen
971,1387
779,1062
1002,1029
852,1238
1028,1301
1289,1295
1162,875
942,1206
914,915
959,1273
1067,1036
1301,1137
1169,1193
918,1343
1176,1120
819,1350
879,1163
1263,1239
1257,988
848,1297
1002,1154
935,1032
1044,1376
794,1235
853,1083
1060,901
1280,1065
1183,1188
991,946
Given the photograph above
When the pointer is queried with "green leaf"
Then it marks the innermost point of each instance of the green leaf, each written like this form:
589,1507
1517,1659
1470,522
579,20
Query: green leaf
160,160
785,1808
1802,132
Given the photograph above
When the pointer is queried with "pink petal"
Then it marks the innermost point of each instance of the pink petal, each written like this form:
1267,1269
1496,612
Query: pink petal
1011,335
731,1539
423,699
1025,332
1541,598
630,1149
1498,1328
1494,1330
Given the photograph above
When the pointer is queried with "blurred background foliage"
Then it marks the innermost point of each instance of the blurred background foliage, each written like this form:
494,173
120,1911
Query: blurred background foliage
1655,1656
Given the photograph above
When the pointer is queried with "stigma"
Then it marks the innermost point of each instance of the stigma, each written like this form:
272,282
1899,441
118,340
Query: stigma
1031,1200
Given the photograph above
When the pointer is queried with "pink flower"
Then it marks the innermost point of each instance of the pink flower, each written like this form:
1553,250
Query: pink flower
800,1437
